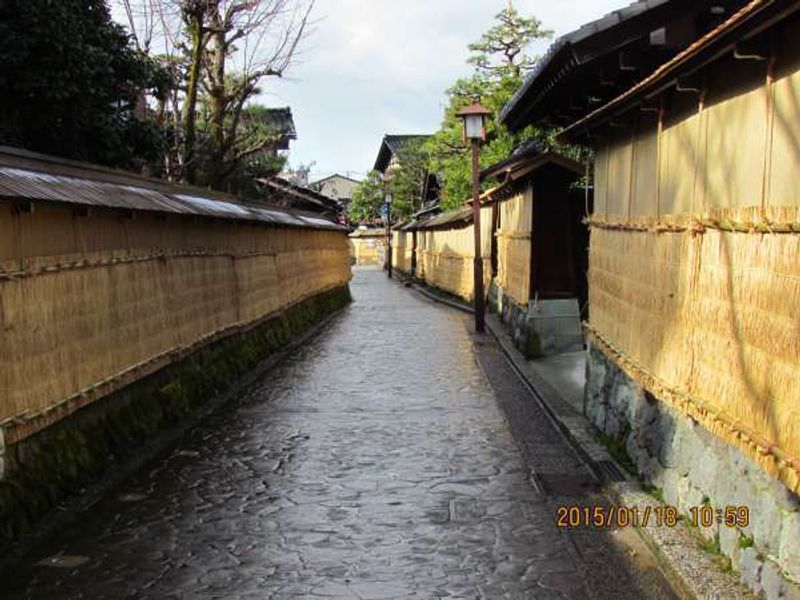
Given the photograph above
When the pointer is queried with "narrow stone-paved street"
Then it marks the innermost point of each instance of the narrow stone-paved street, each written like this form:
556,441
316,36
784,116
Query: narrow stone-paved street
374,463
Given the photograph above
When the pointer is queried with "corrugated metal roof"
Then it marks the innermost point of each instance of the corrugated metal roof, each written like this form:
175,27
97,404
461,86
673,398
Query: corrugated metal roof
38,181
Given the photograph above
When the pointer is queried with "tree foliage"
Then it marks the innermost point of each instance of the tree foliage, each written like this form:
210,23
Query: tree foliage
72,83
500,51
406,180
500,64
368,199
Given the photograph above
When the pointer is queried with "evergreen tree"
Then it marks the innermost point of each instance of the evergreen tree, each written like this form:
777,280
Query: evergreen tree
499,54
500,63
71,80
368,199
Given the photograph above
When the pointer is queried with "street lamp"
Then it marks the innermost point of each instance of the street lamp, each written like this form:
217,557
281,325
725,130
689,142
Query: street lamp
388,211
474,117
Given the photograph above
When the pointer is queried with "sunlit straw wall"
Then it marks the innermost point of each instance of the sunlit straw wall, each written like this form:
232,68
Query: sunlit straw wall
402,250
92,302
368,249
445,256
695,264
514,245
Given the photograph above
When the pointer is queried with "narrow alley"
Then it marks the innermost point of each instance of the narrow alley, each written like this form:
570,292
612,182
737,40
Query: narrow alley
372,463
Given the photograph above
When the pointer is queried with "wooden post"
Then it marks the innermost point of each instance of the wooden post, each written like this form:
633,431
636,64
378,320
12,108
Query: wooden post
476,222
389,240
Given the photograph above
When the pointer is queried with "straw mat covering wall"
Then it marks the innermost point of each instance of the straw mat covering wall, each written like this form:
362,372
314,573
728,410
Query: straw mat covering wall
695,267
368,248
514,245
402,249
88,304
445,257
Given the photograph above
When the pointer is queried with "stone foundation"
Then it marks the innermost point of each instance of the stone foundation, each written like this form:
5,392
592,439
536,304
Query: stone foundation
540,329
61,460
692,467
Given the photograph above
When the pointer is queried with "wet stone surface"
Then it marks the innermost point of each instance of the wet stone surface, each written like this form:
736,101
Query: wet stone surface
374,463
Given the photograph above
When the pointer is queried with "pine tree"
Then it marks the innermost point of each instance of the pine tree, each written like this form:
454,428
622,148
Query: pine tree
500,51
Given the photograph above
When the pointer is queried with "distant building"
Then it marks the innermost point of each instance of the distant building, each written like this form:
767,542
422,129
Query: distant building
388,160
390,147
337,187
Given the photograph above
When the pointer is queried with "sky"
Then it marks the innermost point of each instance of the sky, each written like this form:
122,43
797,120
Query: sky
372,67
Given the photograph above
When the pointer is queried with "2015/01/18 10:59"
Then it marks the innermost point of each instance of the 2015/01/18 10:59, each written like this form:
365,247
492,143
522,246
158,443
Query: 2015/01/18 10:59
599,517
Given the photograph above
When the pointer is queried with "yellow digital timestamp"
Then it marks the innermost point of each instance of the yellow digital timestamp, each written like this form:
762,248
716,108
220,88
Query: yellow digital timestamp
603,517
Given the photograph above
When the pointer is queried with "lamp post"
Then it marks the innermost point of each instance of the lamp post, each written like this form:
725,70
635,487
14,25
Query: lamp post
388,210
474,117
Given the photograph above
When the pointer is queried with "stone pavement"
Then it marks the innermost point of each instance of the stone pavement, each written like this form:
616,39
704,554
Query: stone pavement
374,463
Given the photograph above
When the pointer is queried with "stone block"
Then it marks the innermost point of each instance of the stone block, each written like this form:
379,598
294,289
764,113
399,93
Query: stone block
654,473
790,545
690,495
773,583
729,544
673,485
668,452
750,569
556,325
790,591
692,451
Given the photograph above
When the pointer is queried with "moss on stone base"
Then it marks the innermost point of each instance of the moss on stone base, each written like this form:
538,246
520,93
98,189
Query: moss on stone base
64,458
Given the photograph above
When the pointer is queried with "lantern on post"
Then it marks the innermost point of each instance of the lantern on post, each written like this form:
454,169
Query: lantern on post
388,211
474,118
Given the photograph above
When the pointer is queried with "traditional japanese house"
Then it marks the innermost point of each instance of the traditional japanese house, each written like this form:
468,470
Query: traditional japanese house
337,187
388,154
694,274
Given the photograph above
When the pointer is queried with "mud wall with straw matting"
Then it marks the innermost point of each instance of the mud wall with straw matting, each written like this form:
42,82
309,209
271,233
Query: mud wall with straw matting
693,283
91,304
402,250
514,245
368,248
695,257
445,255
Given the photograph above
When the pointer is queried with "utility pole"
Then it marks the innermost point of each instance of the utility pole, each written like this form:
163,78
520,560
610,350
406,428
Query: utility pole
388,209
474,117
480,308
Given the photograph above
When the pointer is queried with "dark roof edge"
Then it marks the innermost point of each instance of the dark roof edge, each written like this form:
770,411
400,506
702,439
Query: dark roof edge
562,47
704,51
173,198
529,163
386,144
